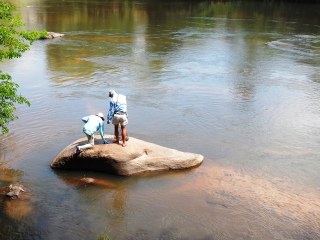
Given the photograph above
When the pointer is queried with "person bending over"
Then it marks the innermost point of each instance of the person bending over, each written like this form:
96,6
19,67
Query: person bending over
93,123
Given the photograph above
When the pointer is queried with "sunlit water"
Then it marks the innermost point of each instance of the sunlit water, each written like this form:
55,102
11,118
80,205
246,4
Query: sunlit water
237,83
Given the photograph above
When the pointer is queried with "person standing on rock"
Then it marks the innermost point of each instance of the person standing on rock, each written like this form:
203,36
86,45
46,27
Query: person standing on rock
118,114
93,123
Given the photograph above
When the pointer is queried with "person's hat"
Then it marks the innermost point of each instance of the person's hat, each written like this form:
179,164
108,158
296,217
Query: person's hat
111,93
101,115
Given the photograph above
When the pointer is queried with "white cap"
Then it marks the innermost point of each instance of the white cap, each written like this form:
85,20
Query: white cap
100,115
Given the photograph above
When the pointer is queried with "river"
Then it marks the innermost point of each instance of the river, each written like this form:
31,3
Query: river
236,81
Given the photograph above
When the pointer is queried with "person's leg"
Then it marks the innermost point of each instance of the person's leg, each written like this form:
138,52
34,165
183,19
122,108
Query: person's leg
123,123
115,122
91,139
124,135
116,133
84,147
88,145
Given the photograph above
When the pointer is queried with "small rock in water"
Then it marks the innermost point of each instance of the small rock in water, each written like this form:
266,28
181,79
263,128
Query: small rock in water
52,35
14,190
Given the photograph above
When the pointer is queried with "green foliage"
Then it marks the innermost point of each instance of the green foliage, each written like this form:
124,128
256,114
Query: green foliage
12,45
8,98
13,42
34,35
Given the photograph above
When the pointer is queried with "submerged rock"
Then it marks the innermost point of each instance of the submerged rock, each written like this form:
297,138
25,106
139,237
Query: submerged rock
137,157
14,190
15,200
82,182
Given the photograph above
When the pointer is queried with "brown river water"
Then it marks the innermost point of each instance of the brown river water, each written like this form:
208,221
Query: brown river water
238,82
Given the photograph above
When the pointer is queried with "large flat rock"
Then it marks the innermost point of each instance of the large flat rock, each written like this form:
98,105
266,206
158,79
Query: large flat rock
137,157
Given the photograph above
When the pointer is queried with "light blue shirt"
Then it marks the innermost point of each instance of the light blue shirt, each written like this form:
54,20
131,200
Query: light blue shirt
93,124
118,103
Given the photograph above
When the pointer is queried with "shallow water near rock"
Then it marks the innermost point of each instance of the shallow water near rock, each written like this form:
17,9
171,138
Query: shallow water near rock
235,82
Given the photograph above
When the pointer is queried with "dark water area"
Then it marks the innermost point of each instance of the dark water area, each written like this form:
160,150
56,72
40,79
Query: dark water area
236,81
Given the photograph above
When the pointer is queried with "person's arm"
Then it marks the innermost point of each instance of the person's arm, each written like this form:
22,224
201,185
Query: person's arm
111,112
85,119
101,130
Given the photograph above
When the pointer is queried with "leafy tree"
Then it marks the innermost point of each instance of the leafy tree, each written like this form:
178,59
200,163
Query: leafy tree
13,42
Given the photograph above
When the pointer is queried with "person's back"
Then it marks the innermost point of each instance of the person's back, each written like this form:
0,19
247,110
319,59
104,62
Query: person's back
119,102
118,114
92,124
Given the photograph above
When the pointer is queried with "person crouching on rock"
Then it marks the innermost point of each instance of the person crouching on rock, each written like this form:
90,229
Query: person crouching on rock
118,114
93,123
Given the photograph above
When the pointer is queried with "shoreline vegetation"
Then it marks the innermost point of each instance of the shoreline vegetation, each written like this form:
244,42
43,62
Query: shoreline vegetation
14,41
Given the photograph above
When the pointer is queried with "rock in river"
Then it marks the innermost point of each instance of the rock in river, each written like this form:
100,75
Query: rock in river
15,190
137,157
52,35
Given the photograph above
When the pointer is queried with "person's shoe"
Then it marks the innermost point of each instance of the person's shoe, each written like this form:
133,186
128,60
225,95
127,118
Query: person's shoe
78,150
